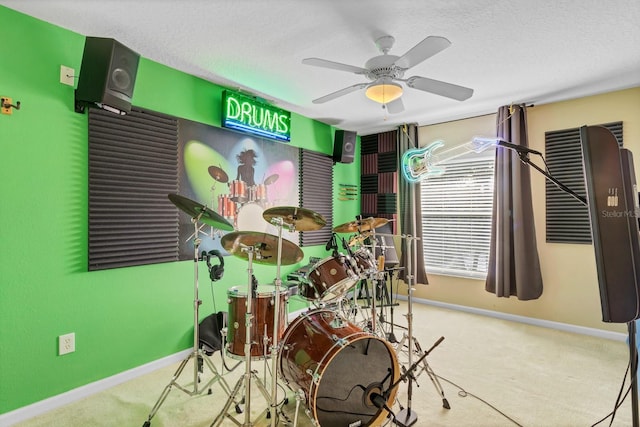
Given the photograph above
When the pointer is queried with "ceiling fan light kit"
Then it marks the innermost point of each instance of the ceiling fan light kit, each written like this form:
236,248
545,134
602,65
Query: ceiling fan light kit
384,91
386,70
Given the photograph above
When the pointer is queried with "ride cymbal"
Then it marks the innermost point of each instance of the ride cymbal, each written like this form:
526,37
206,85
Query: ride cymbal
365,224
265,245
300,218
218,174
200,212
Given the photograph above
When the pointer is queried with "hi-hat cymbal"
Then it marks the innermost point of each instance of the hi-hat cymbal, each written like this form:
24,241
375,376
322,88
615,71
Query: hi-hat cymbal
218,174
271,179
201,212
365,224
265,245
300,218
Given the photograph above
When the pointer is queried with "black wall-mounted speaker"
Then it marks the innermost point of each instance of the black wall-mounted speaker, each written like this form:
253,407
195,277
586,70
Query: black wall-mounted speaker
107,75
613,212
344,146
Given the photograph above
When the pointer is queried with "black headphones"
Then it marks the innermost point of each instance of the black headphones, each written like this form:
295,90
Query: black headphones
215,271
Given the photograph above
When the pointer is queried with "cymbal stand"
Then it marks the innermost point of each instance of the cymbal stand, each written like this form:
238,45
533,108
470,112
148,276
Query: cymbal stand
213,201
249,374
196,353
406,417
278,222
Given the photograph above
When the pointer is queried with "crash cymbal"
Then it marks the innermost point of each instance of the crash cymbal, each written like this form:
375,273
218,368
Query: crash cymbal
365,224
300,218
218,174
266,247
201,212
271,179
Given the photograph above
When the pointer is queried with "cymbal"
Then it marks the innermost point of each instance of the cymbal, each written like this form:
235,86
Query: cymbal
201,212
302,219
359,239
266,246
365,224
218,174
271,179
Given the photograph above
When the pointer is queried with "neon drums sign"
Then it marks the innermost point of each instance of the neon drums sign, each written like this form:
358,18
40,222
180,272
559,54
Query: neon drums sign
247,114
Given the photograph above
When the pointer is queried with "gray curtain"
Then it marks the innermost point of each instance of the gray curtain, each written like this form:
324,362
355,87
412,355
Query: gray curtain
410,212
514,266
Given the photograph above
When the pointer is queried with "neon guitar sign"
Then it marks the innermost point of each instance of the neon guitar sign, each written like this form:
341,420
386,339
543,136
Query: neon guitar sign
422,163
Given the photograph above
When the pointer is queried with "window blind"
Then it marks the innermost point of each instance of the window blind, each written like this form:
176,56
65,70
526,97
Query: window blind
456,218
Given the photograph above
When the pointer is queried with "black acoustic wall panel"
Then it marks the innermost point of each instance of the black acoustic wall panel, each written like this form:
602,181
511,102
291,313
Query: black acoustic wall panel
107,75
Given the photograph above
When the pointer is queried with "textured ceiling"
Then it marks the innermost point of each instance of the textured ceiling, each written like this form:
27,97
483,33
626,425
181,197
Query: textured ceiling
519,51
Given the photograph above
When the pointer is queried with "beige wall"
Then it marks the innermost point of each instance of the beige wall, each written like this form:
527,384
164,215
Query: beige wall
571,292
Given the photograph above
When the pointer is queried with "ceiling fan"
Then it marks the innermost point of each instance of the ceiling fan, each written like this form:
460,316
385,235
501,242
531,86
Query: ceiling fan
386,70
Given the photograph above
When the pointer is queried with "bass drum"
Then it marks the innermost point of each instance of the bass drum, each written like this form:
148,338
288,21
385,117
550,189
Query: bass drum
250,218
338,366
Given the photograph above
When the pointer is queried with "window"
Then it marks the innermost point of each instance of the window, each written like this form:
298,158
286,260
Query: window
456,216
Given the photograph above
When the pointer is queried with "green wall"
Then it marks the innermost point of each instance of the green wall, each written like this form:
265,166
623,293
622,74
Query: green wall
122,318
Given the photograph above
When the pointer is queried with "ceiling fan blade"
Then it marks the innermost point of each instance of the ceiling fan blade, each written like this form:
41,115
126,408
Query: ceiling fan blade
438,87
396,106
317,62
423,50
340,93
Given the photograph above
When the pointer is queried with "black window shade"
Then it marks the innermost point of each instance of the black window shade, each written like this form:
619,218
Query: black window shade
568,219
133,166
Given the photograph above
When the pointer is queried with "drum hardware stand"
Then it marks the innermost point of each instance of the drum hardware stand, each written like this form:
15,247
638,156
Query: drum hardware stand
299,398
278,222
196,353
379,400
249,374
406,417
390,335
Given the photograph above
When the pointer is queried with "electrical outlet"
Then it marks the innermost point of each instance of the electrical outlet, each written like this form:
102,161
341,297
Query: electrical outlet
66,343
67,75
4,100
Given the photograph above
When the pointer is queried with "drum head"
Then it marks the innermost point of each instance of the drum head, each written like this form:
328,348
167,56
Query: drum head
341,397
250,218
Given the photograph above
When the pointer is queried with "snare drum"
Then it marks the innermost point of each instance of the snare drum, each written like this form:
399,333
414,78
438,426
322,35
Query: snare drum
328,280
263,309
365,262
338,367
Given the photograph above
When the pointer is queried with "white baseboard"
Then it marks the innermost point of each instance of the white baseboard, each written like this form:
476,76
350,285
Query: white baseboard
39,408
599,333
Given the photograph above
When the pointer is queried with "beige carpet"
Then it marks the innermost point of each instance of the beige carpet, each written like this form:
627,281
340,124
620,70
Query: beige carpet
493,373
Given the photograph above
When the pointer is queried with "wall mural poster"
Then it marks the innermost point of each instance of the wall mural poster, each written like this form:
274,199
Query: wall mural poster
237,176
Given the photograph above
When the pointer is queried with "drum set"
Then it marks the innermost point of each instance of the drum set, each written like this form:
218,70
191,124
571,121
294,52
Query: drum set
242,202
343,374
